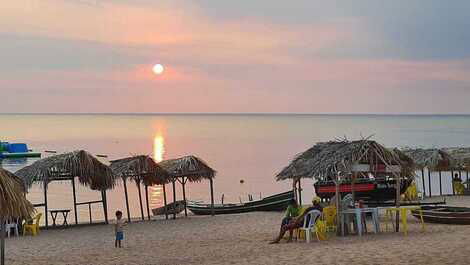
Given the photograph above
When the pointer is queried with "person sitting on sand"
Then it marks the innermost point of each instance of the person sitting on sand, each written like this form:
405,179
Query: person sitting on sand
297,222
118,229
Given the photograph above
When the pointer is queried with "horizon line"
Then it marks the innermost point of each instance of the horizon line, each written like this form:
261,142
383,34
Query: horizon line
236,113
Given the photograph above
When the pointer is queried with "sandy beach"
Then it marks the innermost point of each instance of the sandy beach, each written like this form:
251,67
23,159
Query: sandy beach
239,239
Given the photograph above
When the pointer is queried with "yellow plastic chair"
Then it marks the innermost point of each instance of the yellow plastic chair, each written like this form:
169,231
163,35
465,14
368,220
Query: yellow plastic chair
404,217
458,187
321,230
34,227
411,193
329,217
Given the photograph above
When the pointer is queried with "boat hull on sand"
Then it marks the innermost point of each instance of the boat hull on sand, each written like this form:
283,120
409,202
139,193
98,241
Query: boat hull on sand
278,202
172,208
444,215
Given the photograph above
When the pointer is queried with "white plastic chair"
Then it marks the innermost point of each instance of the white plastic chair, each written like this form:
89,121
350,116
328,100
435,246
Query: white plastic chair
309,223
12,225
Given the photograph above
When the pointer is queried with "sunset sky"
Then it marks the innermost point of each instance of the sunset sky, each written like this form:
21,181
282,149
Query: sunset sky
307,56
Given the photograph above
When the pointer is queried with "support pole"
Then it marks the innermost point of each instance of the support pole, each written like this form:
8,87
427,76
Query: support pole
338,208
294,189
140,201
212,196
105,206
424,184
353,190
147,200
174,198
467,180
2,241
300,193
45,206
124,181
183,184
429,180
164,201
74,201
440,183
452,179
397,218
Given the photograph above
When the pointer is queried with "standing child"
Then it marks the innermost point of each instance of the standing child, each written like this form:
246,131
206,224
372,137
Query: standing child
118,229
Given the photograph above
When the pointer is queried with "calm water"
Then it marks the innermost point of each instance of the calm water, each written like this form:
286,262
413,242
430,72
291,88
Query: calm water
249,147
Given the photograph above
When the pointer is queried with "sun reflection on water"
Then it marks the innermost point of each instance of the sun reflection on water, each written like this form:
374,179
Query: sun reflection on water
156,192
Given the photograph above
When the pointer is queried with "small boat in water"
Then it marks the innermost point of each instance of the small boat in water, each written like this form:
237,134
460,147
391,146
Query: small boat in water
16,150
444,214
172,208
278,202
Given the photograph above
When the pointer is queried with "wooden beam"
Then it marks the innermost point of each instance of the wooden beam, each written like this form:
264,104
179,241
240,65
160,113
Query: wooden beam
2,241
183,184
140,202
46,214
105,206
424,183
174,197
147,200
452,179
429,181
300,193
124,181
164,200
440,183
74,192
212,196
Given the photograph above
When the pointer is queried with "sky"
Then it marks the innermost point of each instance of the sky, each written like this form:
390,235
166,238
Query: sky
269,56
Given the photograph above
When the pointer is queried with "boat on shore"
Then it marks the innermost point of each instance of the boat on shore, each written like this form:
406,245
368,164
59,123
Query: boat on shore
16,150
444,214
278,202
171,208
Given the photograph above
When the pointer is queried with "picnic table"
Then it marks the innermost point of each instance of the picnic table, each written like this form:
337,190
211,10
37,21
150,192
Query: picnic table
357,213
54,213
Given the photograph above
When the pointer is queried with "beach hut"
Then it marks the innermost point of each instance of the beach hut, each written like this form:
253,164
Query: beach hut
141,169
80,165
192,169
337,159
462,156
13,203
432,159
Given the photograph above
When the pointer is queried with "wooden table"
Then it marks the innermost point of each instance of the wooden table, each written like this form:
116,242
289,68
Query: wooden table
358,213
54,213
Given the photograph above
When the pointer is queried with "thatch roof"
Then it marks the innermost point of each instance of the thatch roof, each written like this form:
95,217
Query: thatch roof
89,170
326,159
461,154
140,168
432,158
191,167
13,202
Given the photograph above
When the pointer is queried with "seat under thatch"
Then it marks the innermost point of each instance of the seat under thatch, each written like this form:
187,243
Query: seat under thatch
432,158
190,167
140,169
13,202
327,159
461,155
89,170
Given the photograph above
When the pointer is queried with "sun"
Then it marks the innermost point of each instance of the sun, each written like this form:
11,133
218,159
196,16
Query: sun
158,69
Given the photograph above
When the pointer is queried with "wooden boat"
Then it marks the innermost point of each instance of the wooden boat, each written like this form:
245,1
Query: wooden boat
444,214
278,202
367,189
172,208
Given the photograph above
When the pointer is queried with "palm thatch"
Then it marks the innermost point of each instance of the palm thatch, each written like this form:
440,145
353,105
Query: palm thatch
140,168
191,167
89,170
461,154
13,202
432,158
327,159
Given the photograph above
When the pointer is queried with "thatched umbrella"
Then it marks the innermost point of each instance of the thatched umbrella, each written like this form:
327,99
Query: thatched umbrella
330,159
189,168
433,159
68,166
140,169
462,155
13,203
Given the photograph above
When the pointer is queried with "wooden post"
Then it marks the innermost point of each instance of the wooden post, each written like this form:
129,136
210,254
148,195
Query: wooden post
212,196
424,184
140,201
164,201
452,179
397,218
74,201
2,241
440,183
353,191
46,214
105,206
174,198
183,184
338,207
460,174
89,212
467,180
300,193
147,200
429,180
294,189
124,181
